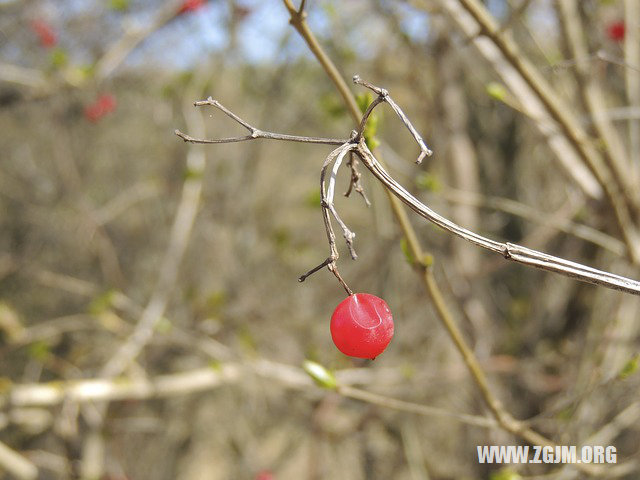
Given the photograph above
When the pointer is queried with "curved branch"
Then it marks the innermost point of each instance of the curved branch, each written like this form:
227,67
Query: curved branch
509,251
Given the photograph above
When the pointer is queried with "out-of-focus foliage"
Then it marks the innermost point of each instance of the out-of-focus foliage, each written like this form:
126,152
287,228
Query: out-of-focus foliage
89,189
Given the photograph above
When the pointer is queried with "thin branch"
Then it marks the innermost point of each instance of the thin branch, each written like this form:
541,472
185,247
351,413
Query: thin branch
17,465
410,407
512,207
509,251
253,131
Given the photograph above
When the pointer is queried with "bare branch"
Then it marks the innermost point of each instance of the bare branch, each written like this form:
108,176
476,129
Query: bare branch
509,251
254,132
17,465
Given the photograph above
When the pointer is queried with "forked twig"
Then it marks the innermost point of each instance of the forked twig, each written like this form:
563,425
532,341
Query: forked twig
383,96
254,132
355,184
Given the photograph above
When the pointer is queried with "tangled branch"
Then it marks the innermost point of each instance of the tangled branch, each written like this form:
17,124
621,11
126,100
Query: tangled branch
356,145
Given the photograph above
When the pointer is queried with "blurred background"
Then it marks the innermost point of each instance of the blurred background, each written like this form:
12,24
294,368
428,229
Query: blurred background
151,321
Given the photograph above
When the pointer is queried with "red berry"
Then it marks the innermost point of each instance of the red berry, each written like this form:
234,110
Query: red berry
265,475
615,31
362,326
93,112
105,103
45,33
190,6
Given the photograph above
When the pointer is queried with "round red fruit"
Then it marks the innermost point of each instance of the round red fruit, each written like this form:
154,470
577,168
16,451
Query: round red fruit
362,326
616,31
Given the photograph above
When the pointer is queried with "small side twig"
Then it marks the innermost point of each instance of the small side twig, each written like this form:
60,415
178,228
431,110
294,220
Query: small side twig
328,208
355,184
383,96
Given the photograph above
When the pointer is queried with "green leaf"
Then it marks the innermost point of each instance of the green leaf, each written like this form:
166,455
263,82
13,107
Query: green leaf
119,5
630,367
364,100
428,181
496,90
39,350
59,58
102,302
215,301
163,326
404,245
331,104
323,377
505,474
313,198
192,173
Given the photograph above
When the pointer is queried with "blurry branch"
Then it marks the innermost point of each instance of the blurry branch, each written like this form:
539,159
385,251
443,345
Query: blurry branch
395,404
134,35
297,18
512,207
515,14
591,91
178,240
413,451
118,300
461,152
627,418
202,380
528,101
478,24
124,201
22,76
16,465
105,250
98,390
632,78
111,59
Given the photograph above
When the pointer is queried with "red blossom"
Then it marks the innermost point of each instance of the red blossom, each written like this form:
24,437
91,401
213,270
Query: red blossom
104,104
45,33
265,475
615,31
191,6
